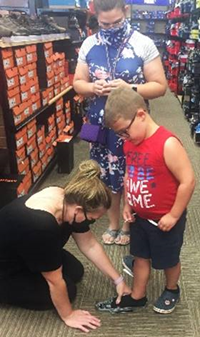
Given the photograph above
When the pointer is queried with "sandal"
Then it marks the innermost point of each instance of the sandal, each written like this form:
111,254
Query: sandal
111,236
123,238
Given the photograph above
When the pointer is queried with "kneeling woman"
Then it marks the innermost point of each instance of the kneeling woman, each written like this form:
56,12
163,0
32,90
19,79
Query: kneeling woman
35,271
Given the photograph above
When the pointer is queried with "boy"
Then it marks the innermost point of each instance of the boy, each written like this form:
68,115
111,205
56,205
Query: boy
159,183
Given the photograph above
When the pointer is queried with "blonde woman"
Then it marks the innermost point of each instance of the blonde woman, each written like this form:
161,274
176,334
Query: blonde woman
35,271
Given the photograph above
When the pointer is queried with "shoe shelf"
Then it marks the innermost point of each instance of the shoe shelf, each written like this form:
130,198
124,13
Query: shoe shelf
15,41
40,111
36,107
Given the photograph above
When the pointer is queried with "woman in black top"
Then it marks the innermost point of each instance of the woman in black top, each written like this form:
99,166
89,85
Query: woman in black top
35,271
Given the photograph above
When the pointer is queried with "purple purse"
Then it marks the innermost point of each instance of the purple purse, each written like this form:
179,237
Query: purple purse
93,133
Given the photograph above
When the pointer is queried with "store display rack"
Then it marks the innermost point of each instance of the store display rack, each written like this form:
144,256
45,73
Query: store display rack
37,106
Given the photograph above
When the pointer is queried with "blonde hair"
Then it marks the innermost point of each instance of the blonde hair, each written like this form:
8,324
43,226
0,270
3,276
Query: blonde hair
123,103
86,189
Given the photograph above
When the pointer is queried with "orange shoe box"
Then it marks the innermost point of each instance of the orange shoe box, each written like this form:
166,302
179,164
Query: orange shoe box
37,171
7,56
23,166
41,135
57,89
42,149
65,81
32,70
34,85
31,128
20,57
31,55
50,82
51,123
36,103
45,97
51,93
12,77
21,138
25,185
25,92
49,61
59,104
23,75
48,49
34,157
44,161
50,153
31,144
59,117
49,68
18,114
13,97
20,154
27,106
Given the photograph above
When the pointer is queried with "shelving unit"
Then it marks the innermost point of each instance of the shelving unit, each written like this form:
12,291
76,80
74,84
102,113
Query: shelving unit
34,110
150,20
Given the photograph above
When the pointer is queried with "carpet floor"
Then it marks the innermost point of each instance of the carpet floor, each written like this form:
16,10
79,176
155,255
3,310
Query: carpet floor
184,321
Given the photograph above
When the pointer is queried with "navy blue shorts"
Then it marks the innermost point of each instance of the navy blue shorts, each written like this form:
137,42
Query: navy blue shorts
149,242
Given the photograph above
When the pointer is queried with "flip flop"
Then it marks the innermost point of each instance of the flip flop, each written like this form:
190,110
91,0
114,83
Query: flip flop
113,233
120,235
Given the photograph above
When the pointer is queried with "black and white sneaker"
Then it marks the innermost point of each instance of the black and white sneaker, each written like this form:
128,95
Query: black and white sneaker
127,304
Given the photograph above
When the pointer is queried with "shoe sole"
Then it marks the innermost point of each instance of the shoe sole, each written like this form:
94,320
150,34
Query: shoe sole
127,270
163,311
121,310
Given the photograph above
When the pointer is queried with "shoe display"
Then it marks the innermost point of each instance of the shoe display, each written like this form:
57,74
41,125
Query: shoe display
166,303
127,263
127,304
5,32
21,24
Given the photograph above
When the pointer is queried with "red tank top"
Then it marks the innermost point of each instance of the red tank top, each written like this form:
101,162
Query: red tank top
151,187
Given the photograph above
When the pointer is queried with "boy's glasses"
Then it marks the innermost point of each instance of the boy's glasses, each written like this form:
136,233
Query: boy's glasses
124,133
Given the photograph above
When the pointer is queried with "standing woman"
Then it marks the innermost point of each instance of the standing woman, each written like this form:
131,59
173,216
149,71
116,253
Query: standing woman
35,271
116,56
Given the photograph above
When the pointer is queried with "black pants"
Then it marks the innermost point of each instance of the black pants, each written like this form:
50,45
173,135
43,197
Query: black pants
31,291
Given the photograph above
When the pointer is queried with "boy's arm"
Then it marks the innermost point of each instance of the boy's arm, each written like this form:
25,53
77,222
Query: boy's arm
178,163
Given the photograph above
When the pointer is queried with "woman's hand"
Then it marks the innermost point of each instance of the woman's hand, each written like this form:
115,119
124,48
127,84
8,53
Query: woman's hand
119,83
82,320
112,85
122,289
167,222
98,87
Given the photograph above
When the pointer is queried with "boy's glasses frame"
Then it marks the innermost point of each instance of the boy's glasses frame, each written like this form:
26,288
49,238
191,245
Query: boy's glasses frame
124,133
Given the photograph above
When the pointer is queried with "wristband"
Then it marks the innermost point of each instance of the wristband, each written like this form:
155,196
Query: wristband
118,280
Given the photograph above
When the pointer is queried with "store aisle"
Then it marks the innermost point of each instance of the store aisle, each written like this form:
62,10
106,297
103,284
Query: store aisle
184,321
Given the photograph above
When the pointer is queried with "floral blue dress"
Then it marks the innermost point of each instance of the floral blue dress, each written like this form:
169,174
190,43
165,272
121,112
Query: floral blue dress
100,51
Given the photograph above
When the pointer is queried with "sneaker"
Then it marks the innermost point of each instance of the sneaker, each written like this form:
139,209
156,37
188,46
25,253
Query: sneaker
166,303
127,263
127,304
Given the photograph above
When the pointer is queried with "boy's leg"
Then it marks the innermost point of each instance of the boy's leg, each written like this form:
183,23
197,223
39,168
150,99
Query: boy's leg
172,276
141,272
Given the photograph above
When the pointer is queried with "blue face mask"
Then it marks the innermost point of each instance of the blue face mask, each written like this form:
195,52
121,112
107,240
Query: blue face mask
115,35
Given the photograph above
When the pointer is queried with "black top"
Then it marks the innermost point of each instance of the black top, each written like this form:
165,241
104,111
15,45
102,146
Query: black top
32,239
